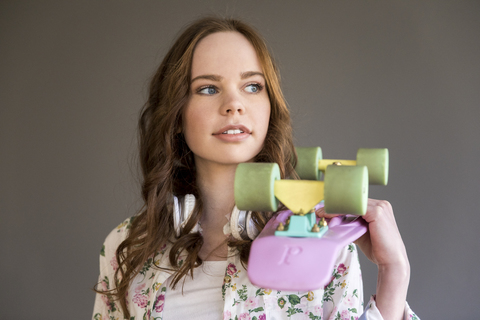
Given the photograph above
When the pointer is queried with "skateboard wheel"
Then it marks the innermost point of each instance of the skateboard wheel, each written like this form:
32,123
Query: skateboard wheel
376,161
307,164
254,186
346,189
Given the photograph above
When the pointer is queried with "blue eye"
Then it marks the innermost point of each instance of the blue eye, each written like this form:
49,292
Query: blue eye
208,90
253,88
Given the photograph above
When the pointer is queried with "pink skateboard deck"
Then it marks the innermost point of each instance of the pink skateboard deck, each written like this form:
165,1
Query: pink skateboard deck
299,264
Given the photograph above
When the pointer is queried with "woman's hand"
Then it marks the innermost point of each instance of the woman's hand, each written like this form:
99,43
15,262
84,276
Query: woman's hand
383,245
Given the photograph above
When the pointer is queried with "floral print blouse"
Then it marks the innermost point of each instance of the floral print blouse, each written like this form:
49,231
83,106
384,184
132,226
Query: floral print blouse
341,299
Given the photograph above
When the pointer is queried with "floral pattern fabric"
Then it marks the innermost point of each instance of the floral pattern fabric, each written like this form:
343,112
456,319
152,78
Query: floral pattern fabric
341,299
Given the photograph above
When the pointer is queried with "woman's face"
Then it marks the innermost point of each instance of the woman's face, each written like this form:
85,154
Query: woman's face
226,118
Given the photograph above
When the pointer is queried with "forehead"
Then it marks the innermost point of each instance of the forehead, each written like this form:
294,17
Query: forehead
224,53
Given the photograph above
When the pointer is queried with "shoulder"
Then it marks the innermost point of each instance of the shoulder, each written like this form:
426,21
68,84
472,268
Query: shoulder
115,237
105,307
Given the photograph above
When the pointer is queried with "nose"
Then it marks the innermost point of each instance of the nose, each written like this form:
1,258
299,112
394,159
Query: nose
232,103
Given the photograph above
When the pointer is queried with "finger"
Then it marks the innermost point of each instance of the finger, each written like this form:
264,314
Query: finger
322,214
379,210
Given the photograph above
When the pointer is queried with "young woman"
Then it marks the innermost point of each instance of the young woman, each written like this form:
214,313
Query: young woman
215,102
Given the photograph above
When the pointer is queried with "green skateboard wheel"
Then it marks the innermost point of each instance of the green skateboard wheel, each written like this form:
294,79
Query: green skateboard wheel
376,161
346,189
307,164
254,186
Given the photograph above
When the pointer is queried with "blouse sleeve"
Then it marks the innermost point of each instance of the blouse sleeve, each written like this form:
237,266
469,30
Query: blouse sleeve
105,307
372,313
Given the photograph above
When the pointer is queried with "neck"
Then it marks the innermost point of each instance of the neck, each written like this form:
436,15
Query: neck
216,186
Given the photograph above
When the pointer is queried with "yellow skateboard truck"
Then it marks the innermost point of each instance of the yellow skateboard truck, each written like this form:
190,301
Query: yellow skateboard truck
258,187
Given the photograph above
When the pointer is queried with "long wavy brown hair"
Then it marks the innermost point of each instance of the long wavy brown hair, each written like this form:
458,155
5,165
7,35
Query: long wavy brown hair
167,163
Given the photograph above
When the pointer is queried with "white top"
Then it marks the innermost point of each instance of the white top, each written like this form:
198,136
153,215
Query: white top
202,295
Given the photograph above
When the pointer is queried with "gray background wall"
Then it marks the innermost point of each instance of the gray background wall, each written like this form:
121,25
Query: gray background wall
398,74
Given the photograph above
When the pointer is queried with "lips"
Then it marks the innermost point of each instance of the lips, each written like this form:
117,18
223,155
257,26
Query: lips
233,134
233,130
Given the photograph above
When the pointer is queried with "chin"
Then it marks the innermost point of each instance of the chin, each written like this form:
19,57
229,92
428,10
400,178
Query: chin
228,156
235,158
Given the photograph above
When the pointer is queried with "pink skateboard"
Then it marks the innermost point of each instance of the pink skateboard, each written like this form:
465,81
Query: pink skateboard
300,264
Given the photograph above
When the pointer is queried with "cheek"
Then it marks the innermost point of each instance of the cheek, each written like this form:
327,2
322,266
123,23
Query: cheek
265,120
190,116
189,127
195,127
194,116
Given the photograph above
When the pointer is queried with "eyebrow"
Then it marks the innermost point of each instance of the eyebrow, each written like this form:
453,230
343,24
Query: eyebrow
249,74
215,77
212,77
